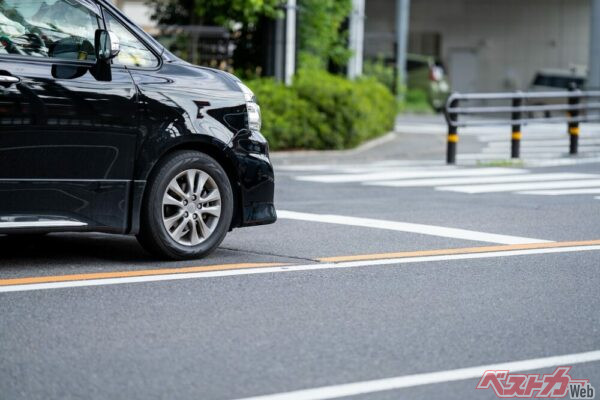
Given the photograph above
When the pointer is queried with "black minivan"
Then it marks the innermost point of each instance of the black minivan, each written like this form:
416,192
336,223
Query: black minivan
102,129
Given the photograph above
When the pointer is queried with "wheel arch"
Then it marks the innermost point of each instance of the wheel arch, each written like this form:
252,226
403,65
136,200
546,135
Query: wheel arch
219,151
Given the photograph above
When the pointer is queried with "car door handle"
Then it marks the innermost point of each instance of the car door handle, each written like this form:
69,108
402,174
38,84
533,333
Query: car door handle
7,79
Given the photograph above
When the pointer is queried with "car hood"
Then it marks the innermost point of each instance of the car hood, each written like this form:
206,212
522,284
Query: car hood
213,79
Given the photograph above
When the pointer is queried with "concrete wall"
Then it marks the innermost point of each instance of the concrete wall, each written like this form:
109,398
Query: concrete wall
491,44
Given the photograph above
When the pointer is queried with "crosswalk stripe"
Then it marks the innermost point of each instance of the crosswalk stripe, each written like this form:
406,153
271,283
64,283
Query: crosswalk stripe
481,179
504,155
562,192
391,175
536,143
513,187
531,150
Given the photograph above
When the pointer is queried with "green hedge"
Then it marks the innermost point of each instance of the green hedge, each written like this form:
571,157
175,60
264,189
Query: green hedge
323,111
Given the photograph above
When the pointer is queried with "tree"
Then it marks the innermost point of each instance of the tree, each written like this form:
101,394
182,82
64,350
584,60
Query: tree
232,14
322,33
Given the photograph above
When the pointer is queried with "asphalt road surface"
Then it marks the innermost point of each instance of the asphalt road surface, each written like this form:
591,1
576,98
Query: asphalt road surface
381,280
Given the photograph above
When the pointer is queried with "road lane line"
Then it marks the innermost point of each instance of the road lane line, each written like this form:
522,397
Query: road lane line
431,230
514,187
467,250
481,179
392,175
562,192
224,272
127,274
431,378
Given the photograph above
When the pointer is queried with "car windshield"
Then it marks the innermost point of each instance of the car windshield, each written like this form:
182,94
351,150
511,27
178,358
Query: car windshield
47,28
561,82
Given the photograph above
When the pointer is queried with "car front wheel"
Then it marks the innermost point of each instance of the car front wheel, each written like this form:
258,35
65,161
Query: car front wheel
188,207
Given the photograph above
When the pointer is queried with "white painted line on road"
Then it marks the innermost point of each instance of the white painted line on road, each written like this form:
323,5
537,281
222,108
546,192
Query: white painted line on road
562,192
430,230
544,149
482,179
389,175
408,381
514,187
541,142
291,268
506,156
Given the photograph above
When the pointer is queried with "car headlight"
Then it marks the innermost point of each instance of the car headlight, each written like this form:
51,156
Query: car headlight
254,116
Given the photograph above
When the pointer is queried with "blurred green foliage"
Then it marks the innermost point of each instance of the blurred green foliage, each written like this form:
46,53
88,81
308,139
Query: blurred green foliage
378,69
227,13
289,122
244,18
321,33
415,100
323,111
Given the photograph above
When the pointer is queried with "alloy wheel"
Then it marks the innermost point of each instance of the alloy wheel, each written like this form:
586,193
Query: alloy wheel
191,207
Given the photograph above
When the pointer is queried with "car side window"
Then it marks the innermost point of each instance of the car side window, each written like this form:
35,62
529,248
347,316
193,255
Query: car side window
133,52
61,29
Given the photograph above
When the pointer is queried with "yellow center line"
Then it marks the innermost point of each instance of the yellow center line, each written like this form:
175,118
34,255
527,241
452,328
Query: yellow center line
128,274
226,267
468,250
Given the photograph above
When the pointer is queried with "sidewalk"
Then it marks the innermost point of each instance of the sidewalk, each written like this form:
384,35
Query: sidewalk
415,137
421,140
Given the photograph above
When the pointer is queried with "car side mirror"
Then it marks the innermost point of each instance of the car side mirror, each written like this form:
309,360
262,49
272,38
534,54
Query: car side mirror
107,45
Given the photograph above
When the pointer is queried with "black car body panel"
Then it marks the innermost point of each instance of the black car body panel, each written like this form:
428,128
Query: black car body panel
77,148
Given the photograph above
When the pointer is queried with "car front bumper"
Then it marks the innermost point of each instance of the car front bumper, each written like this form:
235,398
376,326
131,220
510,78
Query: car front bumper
257,188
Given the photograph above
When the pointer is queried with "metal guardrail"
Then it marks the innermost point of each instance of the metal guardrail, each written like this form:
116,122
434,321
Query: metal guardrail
576,106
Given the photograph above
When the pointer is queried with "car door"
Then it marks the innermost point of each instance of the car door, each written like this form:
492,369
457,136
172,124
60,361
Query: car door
67,132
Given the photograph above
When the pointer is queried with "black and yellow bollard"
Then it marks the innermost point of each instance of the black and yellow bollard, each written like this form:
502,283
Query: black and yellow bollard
452,135
574,135
515,147
573,126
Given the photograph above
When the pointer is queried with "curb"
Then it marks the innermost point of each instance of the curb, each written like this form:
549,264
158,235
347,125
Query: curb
388,137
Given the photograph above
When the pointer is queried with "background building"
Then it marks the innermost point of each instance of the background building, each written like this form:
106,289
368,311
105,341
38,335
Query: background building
485,45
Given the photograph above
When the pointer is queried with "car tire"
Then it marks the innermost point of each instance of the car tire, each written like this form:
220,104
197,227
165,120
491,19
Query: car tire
170,199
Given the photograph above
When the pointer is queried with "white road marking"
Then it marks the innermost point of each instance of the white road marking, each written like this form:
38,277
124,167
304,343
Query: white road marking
292,268
407,381
543,143
431,230
390,175
481,179
562,192
390,165
514,187
543,149
506,156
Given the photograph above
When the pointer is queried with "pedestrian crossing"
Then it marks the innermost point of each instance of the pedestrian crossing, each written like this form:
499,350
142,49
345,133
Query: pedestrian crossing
466,180
540,142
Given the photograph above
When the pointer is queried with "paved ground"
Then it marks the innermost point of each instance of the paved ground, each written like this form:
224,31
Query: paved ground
376,269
